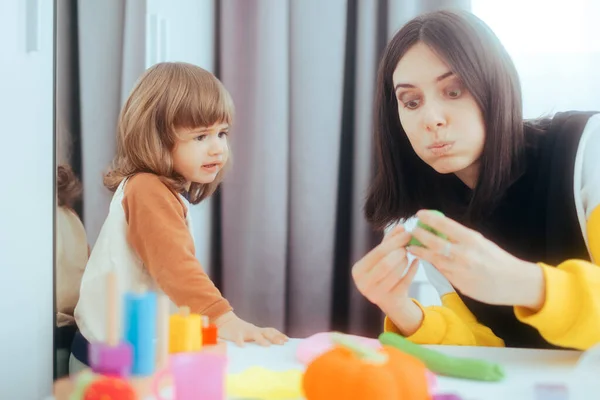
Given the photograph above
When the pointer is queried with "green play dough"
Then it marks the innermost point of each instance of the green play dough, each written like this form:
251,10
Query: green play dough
439,363
415,242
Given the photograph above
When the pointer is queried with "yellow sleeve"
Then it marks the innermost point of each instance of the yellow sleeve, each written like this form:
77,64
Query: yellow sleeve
570,316
449,324
593,234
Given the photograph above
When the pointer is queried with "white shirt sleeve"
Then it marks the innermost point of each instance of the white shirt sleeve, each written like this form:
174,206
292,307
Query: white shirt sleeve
587,173
590,179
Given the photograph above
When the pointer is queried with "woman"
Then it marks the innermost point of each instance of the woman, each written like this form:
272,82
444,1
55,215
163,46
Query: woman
521,198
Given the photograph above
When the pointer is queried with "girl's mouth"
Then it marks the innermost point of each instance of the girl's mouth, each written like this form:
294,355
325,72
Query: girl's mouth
211,167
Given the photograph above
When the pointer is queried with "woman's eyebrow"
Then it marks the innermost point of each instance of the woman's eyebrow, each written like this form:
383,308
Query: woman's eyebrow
411,86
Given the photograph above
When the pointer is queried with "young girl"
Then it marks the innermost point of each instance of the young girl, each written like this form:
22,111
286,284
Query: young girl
521,198
172,150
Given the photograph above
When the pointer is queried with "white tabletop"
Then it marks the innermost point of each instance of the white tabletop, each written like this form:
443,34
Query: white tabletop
524,369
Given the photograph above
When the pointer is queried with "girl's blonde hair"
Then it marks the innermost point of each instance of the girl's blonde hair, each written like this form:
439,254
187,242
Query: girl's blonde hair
167,98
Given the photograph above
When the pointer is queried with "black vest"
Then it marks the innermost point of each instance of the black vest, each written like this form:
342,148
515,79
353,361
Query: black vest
536,219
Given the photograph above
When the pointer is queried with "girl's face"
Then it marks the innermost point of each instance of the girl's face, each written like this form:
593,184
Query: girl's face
200,154
440,117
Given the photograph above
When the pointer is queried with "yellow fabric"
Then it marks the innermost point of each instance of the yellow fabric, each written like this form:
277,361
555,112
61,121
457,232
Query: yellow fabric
570,316
483,335
449,324
593,234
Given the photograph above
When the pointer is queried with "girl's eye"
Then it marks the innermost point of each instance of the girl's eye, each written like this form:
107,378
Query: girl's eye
222,134
200,138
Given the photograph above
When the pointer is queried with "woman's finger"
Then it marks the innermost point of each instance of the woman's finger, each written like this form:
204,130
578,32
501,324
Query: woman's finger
369,261
403,284
438,260
395,259
410,274
390,280
430,240
398,229
452,229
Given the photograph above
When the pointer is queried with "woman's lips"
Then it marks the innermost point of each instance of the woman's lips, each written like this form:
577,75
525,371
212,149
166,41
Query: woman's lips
440,148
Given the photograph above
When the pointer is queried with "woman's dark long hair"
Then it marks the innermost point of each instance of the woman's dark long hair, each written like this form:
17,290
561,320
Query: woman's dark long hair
403,183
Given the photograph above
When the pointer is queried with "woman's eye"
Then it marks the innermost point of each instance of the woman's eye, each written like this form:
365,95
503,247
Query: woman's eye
454,93
411,104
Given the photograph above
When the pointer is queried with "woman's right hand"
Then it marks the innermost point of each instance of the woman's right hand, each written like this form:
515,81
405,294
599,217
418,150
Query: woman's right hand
382,277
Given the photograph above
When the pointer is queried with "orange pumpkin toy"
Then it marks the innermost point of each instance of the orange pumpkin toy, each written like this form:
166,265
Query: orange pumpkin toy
354,372
110,388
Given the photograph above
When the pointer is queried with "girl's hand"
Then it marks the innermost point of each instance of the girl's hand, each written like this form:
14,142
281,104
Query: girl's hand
478,267
381,276
235,329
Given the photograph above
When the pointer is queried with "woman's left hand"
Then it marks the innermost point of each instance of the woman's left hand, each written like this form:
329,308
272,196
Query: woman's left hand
476,266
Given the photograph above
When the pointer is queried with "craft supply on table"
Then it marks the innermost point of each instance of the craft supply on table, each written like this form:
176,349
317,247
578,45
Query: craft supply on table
209,332
468,368
185,332
210,338
114,357
415,242
264,384
195,376
162,330
319,343
140,330
353,371
551,391
446,396
81,383
110,388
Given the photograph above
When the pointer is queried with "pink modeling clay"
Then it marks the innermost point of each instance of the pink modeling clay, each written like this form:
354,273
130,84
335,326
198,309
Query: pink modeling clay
317,344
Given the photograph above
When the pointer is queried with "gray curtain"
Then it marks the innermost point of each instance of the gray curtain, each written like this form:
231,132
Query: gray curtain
111,36
301,74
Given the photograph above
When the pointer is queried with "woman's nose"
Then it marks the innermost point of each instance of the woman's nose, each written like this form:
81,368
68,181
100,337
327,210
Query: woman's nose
434,117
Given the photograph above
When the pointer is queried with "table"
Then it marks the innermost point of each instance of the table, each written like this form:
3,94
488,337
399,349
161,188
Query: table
524,369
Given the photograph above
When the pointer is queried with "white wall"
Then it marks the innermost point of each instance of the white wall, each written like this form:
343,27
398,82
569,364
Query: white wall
26,214
556,53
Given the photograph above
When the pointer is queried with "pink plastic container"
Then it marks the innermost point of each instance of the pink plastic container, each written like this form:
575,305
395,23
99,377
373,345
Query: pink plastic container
195,376
109,360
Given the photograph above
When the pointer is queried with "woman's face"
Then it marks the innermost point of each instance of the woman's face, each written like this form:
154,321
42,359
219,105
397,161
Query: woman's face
440,117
